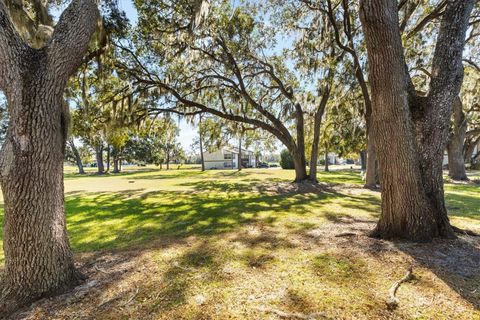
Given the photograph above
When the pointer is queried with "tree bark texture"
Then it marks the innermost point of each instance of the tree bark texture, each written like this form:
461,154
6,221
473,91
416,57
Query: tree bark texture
300,162
317,123
38,259
411,131
456,163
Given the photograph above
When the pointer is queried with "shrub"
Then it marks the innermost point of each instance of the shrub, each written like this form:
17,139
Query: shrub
286,160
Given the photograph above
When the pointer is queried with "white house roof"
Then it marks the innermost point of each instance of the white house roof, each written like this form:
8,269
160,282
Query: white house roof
235,150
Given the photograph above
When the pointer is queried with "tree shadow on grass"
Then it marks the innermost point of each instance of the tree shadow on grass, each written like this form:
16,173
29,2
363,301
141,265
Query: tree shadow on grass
73,175
170,174
121,219
257,186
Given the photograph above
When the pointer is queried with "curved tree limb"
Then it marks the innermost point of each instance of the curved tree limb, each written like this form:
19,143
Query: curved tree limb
71,37
435,13
447,67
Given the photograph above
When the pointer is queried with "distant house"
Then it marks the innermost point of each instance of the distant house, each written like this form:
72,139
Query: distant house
227,158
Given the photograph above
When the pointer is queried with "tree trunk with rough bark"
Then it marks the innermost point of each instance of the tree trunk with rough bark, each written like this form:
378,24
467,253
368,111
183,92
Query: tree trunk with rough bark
301,173
317,123
99,158
300,166
38,259
76,154
456,163
411,131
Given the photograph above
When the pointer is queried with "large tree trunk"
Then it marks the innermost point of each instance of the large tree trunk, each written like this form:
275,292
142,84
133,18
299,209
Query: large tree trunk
317,123
116,167
200,133
456,163
300,150
314,155
99,158
76,154
38,259
300,166
409,145
168,159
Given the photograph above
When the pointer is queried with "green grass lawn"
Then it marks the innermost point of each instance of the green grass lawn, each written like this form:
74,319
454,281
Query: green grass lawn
254,225
115,211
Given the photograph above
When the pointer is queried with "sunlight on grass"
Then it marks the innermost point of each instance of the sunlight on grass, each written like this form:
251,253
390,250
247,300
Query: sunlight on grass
237,240
116,211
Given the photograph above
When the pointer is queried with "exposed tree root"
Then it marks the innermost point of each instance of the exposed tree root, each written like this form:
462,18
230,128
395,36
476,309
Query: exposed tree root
464,231
345,234
293,315
392,301
371,187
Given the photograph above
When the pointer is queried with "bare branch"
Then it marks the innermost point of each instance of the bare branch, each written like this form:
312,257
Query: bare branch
437,12
472,64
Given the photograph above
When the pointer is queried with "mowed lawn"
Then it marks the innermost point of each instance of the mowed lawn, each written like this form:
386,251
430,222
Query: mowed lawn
185,244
